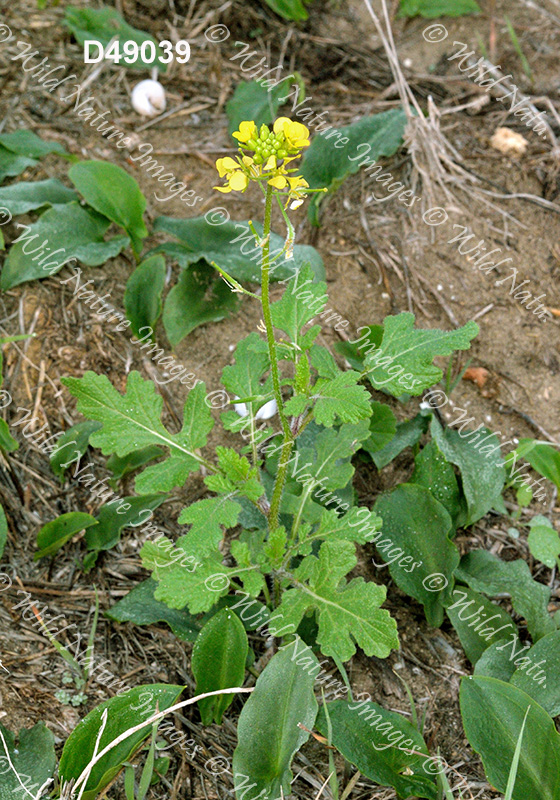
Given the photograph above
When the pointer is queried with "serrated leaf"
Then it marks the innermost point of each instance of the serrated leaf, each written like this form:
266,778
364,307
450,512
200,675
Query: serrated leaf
67,231
327,165
133,421
102,24
140,607
199,296
539,678
418,526
218,662
238,475
356,351
19,198
482,478
382,427
347,613
207,518
124,711
142,297
232,246
274,724
479,622
252,100
412,351
358,525
299,304
71,446
55,534
493,713
485,572
32,756
430,9
113,193
385,750
339,399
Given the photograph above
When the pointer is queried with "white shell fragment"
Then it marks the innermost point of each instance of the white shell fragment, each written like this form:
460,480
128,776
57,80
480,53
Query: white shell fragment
148,98
509,142
266,412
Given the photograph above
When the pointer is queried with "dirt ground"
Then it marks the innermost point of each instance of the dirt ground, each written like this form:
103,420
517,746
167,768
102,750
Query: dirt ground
380,259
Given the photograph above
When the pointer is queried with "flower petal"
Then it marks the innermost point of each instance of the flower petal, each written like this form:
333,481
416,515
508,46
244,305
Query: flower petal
238,181
279,182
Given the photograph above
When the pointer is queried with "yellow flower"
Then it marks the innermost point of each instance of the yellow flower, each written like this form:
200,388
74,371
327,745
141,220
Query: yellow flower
297,183
237,180
279,182
247,131
297,135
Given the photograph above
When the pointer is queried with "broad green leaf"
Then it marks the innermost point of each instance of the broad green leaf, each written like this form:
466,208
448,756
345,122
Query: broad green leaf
19,198
133,420
113,517
67,231
243,378
13,164
487,573
429,9
348,613
408,434
415,539
288,9
482,474
232,246
385,750
479,622
268,730
7,441
33,756
436,474
252,100
495,661
115,194
55,534
543,541
493,713
382,426
124,711
537,671
142,297
102,24
133,461
356,351
337,400
28,144
218,662
542,457
325,165
206,518
3,530
301,302
140,607
409,351
72,444
199,296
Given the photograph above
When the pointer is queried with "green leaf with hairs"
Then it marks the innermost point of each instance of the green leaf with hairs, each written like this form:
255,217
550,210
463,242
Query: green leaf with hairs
337,400
133,420
301,302
348,613
407,353
207,519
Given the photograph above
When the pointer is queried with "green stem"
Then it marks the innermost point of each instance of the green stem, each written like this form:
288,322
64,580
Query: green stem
288,438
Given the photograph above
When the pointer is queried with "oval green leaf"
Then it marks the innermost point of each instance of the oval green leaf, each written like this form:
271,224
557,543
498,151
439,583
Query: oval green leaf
142,298
54,534
218,662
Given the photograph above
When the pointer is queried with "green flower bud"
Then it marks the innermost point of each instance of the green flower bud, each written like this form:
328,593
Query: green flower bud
281,154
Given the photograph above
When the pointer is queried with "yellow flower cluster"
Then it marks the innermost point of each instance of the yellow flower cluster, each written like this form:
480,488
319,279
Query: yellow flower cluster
272,152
